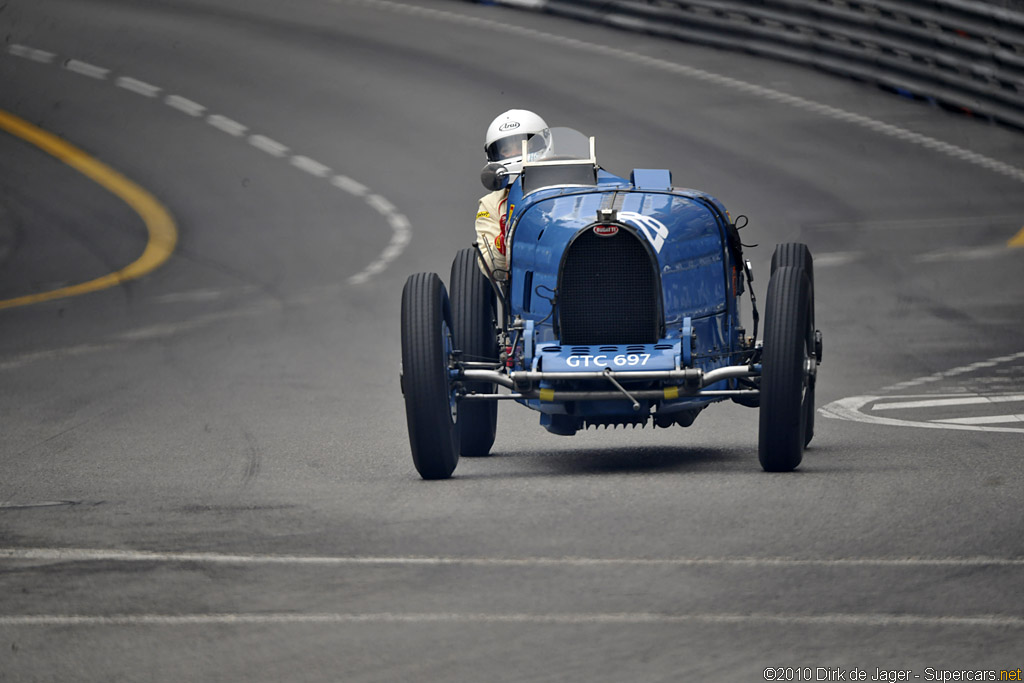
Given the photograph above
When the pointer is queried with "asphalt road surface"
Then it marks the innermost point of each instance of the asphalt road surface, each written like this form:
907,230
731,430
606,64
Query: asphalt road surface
204,469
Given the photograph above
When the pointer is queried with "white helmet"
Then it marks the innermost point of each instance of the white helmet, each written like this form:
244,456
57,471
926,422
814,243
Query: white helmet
505,135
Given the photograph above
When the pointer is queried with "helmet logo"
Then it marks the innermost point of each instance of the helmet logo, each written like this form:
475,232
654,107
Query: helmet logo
606,230
508,125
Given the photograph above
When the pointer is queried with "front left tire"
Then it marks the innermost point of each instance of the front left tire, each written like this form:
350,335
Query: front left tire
430,405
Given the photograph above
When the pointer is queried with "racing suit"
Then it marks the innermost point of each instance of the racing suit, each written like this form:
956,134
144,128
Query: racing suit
491,214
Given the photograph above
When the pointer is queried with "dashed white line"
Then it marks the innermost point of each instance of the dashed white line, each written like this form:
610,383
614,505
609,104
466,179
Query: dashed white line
184,104
229,126
379,204
86,69
349,185
399,237
265,144
41,56
136,86
311,166
400,224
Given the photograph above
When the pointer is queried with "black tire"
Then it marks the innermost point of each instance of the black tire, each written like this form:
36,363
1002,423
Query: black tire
429,403
784,379
474,331
798,255
794,255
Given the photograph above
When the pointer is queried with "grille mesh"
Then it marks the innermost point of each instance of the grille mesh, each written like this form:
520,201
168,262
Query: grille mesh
608,292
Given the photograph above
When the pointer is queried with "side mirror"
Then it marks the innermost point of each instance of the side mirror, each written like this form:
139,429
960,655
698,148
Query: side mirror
494,176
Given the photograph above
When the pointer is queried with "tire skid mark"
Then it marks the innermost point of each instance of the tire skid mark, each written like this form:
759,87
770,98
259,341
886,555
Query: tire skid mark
401,230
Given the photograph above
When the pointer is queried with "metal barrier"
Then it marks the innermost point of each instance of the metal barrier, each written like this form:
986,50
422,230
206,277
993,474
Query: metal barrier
964,55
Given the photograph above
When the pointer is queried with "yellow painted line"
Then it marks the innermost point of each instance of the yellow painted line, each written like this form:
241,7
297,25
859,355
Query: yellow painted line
163,233
1017,241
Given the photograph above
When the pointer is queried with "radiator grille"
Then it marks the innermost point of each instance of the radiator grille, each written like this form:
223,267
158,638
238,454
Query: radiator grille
608,293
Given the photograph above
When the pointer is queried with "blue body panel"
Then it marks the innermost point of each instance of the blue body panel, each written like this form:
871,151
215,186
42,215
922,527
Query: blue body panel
686,231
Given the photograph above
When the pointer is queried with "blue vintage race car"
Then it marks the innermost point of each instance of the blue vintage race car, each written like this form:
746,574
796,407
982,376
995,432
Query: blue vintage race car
620,306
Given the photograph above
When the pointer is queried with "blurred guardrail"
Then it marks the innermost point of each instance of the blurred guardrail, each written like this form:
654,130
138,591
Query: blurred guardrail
964,55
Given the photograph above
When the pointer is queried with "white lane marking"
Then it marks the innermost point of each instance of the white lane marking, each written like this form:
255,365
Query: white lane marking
136,86
708,77
163,330
229,126
198,295
850,409
400,236
962,370
351,186
838,258
24,359
265,144
555,619
399,224
36,504
939,402
524,3
963,254
311,166
111,555
984,420
86,69
931,224
118,341
380,204
41,56
184,104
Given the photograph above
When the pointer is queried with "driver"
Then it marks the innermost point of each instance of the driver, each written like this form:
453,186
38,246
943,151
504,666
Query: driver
504,143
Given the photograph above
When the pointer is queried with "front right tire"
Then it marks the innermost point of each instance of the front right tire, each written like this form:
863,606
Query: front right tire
798,255
474,319
785,380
